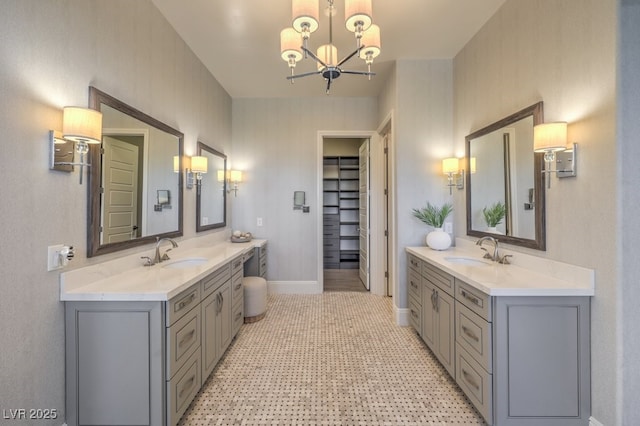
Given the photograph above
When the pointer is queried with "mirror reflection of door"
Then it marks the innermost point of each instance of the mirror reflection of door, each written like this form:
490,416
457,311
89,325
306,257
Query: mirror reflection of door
121,166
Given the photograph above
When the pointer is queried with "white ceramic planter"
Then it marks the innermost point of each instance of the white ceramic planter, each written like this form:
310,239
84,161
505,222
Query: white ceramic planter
438,239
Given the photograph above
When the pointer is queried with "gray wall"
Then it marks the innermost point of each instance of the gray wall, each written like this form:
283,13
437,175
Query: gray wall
563,53
628,225
51,51
277,148
421,100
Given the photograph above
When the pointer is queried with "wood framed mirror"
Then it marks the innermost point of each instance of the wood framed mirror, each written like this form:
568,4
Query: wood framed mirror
133,163
507,171
211,191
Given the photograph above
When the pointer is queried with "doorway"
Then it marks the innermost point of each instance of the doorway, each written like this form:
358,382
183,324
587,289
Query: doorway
377,242
345,224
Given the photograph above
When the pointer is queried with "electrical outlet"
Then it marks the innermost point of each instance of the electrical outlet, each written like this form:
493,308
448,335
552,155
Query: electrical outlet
53,257
259,222
448,227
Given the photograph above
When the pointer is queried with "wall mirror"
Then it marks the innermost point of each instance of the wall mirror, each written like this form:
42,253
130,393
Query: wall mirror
211,195
134,162
507,171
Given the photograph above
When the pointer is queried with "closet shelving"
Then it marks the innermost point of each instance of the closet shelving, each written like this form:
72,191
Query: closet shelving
341,212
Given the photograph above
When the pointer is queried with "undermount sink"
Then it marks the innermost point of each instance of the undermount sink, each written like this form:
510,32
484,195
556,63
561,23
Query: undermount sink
468,261
187,262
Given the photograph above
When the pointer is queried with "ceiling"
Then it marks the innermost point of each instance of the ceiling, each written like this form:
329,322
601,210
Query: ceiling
239,41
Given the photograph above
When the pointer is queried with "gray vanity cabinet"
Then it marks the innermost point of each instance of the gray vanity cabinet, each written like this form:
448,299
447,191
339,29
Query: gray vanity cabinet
143,362
521,360
256,266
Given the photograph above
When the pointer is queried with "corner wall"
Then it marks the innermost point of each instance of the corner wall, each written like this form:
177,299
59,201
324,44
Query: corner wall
51,52
563,53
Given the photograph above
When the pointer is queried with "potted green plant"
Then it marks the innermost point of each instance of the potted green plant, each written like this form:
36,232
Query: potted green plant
494,215
435,216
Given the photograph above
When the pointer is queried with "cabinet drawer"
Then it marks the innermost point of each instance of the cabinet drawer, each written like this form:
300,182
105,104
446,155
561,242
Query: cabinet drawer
237,292
438,277
183,388
475,382
474,299
331,244
215,280
236,265
182,303
474,335
414,263
414,315
183,338
414,285
237,316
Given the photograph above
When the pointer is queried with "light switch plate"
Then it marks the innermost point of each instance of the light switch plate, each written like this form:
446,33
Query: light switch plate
448,227
53,257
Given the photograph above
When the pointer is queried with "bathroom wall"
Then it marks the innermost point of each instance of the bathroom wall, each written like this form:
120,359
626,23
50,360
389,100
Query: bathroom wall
51,51
563,53
628,225
420,94
275,143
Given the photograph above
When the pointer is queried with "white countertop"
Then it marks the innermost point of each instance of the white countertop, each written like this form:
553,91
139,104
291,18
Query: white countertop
543,277
111,281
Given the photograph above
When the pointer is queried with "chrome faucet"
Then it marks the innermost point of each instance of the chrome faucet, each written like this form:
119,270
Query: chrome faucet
495,256
158,258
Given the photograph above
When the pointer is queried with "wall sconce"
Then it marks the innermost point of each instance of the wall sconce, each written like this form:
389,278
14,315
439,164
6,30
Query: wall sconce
551,138
80,126
451,168
235,177
194,168
232,177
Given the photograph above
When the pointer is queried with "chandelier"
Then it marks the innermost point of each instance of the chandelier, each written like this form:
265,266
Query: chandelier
294,40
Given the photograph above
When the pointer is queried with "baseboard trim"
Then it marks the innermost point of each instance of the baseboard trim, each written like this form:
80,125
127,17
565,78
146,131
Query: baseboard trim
402,316
594,422
294,287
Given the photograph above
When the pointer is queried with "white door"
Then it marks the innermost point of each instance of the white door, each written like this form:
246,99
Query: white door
364,213
120,196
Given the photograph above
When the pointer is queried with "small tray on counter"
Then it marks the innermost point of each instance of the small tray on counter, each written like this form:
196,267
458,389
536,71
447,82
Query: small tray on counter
240,239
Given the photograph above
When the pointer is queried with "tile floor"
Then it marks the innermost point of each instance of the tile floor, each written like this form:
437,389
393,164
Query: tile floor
330,359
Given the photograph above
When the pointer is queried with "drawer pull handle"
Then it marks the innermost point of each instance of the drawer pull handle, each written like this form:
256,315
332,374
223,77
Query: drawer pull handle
470,298
187,385
239,314
184,303
469,379
414,285
414,313
187,338
238,286
470,334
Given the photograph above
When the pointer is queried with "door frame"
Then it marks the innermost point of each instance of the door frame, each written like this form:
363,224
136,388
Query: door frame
376,286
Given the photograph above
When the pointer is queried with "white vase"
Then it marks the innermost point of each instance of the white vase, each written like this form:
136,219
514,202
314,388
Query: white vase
493,230
438,239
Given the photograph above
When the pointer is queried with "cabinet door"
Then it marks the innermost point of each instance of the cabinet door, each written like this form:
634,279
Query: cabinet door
210,354
445,331
223,321
428,314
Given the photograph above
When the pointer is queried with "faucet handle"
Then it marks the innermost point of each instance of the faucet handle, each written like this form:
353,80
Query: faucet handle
148,261
505,259
486,253
165,256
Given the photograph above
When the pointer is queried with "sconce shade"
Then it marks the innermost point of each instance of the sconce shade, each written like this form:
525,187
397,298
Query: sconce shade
290,45
235,176
472,166
357,12
371,43
221,175
176,164
305,13
82,125
199,164
550,137
450,165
